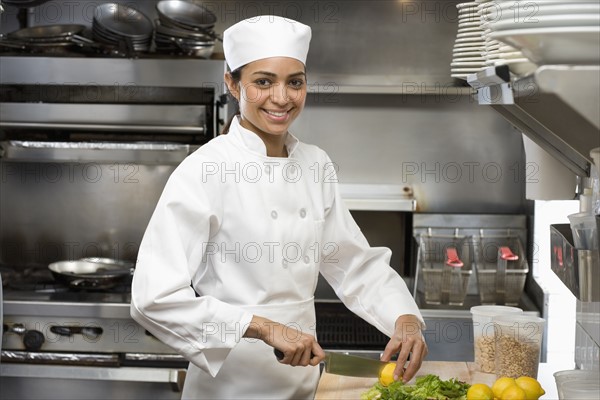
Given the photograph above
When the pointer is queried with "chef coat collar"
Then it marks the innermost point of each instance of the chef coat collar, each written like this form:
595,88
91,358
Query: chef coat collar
254,143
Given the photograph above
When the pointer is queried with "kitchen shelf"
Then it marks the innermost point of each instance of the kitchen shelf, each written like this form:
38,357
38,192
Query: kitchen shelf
91,72
556,106
373,197
321,84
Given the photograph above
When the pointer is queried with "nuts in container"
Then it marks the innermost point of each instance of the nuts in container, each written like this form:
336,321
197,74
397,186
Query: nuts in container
485,358
483,334
518,345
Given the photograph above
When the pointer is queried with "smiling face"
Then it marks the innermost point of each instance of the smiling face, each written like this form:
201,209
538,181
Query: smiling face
271,94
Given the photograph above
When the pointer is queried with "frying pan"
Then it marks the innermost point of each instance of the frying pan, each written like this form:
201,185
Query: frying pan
46,36
123,21
183,15
91,273
24,3
47,32
181,33
186,14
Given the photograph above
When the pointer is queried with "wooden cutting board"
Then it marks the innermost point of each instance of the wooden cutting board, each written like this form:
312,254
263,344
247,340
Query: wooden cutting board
337,387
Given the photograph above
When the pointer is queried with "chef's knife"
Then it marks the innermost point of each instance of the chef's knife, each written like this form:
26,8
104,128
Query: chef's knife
344,364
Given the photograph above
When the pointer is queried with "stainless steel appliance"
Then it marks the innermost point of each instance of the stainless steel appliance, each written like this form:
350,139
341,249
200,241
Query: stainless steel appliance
84,157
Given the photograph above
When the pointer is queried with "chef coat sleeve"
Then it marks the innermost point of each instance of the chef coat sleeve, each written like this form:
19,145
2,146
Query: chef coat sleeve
203,329
360,275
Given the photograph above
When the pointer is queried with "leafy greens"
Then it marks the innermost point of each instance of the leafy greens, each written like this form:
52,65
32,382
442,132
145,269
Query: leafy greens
428,387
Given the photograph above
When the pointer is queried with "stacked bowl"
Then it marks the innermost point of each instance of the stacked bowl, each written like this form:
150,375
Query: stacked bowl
122,26
544,31
184,28
467,55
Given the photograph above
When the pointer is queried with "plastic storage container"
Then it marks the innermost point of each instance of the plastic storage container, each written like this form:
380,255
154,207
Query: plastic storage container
501,268
483,334
445,265
585,235
573,375
518,345
580,390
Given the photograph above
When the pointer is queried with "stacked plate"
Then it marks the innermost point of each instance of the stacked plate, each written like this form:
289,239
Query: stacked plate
499,53
184,28
542,31
122,26
467,55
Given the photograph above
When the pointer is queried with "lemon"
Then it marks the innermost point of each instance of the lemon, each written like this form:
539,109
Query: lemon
480,391
532,388
501,384
386,376
513,392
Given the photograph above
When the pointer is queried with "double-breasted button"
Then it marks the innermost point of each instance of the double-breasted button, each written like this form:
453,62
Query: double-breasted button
274,214
306,260
284,263
303,213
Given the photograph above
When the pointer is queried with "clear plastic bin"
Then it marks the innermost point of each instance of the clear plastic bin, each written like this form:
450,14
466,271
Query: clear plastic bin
518,345
484,339
499,280
443,281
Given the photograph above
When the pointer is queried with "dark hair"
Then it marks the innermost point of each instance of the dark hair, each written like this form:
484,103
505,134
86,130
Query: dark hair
236,75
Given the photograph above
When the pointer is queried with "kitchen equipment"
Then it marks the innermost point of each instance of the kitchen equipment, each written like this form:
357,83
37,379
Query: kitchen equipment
348,365
518,344
117,24
576,375
577,268
47,32
444,263
186,15
24,3
580,390
585,234
484,335
121,136
50,38
177,40
92,273
501,268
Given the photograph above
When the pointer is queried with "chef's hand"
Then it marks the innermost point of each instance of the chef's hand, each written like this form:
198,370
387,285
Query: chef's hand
299,348
407,339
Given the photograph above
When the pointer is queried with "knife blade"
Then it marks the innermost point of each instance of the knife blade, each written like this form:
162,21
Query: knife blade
348,365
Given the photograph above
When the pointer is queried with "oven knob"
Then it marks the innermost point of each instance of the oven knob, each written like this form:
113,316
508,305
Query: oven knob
33,340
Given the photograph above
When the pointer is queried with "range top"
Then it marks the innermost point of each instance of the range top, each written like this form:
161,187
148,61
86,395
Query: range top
95,297
37,284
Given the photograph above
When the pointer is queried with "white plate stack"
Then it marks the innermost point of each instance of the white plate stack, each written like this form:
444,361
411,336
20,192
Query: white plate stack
529,32
499,53
467,55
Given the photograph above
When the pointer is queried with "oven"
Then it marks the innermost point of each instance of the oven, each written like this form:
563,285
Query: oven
86,147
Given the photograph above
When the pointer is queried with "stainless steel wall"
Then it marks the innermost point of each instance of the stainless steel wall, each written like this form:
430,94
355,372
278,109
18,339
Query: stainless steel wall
58,211
458,157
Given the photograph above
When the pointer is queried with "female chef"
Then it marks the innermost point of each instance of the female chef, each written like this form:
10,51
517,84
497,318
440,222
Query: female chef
229,263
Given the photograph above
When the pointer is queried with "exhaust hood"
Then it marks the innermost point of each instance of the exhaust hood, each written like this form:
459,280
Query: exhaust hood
557,106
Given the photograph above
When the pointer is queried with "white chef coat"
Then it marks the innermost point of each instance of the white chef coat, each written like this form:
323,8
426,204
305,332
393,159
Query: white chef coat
251,234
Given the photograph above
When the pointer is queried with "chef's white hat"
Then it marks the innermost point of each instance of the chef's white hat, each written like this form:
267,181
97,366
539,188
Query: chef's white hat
263,37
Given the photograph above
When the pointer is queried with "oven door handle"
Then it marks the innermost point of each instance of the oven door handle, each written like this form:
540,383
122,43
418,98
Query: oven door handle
174,377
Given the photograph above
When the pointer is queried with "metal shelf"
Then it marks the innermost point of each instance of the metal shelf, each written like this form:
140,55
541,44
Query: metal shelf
372,197
330,84
556,106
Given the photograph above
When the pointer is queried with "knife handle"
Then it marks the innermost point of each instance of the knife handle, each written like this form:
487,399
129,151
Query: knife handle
279,354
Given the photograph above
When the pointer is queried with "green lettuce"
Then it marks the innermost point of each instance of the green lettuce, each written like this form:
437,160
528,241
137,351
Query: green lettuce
428,387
